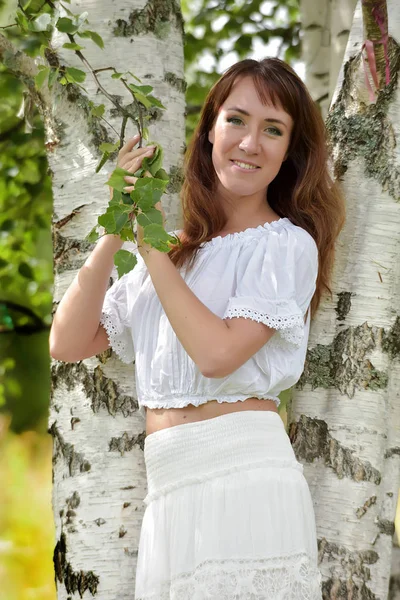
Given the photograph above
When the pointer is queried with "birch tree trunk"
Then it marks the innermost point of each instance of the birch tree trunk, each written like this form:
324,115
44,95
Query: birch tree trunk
345,414
326,27
99,472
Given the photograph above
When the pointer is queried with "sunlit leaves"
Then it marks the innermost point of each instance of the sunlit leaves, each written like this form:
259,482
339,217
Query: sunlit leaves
125,261
95,37
142,95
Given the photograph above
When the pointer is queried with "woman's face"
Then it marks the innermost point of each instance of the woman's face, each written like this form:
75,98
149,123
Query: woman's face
250,141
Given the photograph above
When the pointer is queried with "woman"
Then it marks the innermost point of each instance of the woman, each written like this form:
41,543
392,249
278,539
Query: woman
218,328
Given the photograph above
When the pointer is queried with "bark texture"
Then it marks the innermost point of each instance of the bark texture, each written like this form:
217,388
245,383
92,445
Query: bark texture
99,471
345,414
326,27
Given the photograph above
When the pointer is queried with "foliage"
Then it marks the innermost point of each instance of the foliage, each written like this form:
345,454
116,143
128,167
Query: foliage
26,541
220,28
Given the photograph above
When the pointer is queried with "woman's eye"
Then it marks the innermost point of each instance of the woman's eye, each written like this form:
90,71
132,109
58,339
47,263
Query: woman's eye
234,120
273,130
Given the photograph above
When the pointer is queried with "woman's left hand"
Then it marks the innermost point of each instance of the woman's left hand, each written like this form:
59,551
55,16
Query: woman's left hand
142,246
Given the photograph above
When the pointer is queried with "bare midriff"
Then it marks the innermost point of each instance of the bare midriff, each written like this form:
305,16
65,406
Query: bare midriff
161,418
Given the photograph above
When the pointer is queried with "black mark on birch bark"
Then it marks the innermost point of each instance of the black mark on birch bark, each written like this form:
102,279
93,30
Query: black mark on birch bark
343,306
155,17
125,443
360,512
311,440
74,581
350,573
75,460
344,364
102,391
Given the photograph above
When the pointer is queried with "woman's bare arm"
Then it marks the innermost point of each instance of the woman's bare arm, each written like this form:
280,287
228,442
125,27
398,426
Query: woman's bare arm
75,333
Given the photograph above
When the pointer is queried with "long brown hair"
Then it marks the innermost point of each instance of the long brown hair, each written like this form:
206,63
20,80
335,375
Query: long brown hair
303,190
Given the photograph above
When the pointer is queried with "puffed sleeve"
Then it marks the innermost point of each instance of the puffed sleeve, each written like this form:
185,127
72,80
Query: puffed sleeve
116,315
276,282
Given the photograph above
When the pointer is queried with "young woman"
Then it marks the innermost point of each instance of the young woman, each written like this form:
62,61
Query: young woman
218,328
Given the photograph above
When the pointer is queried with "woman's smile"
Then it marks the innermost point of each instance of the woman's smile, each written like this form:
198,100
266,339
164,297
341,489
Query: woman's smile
244,166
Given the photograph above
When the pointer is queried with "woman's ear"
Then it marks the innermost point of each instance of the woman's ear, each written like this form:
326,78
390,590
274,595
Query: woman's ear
211,136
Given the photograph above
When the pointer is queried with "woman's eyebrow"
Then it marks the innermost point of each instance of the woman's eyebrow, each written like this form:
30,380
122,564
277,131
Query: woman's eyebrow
244,112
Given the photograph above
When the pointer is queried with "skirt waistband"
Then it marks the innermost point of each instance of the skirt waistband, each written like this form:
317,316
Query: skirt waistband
193,452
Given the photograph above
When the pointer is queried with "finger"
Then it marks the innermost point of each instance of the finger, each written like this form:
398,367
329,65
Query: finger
138,153
130,179
129,145
136,163
136,157
129,189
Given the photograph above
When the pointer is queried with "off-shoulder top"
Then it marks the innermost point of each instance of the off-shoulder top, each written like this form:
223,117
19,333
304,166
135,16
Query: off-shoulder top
266,273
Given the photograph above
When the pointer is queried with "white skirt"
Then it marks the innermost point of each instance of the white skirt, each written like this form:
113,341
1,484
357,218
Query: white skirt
229,514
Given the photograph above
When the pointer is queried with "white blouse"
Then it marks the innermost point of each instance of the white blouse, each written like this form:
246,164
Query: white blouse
266,273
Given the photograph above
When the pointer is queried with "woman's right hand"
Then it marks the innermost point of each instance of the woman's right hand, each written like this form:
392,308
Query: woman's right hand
130,159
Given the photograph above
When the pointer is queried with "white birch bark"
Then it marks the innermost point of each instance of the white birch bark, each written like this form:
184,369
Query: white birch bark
99,472
326,25
345,416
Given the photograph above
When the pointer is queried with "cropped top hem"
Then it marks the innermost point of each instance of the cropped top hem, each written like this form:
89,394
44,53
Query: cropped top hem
183,401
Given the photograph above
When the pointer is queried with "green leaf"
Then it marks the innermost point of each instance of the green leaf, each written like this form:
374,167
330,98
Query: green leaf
97,111
95,37
75,75
121,214
142,99
117,180
53,76
142,89
125,261
152,216
116,197
155,102
72,46
162,174
106,147
93,236
127,234
22,21
107,221
153,163
41,77
65,25
157,237
117,75
102,161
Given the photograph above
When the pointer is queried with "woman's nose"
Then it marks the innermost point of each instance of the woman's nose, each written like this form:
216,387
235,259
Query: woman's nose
250,143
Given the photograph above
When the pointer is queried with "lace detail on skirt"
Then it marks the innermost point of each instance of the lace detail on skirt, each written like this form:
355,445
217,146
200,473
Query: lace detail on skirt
282,578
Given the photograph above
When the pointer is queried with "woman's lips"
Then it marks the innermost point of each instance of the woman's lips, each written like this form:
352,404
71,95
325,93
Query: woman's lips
244,169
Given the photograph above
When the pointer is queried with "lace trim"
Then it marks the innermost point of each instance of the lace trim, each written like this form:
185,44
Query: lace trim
290,328
277,463
292,577
117,338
